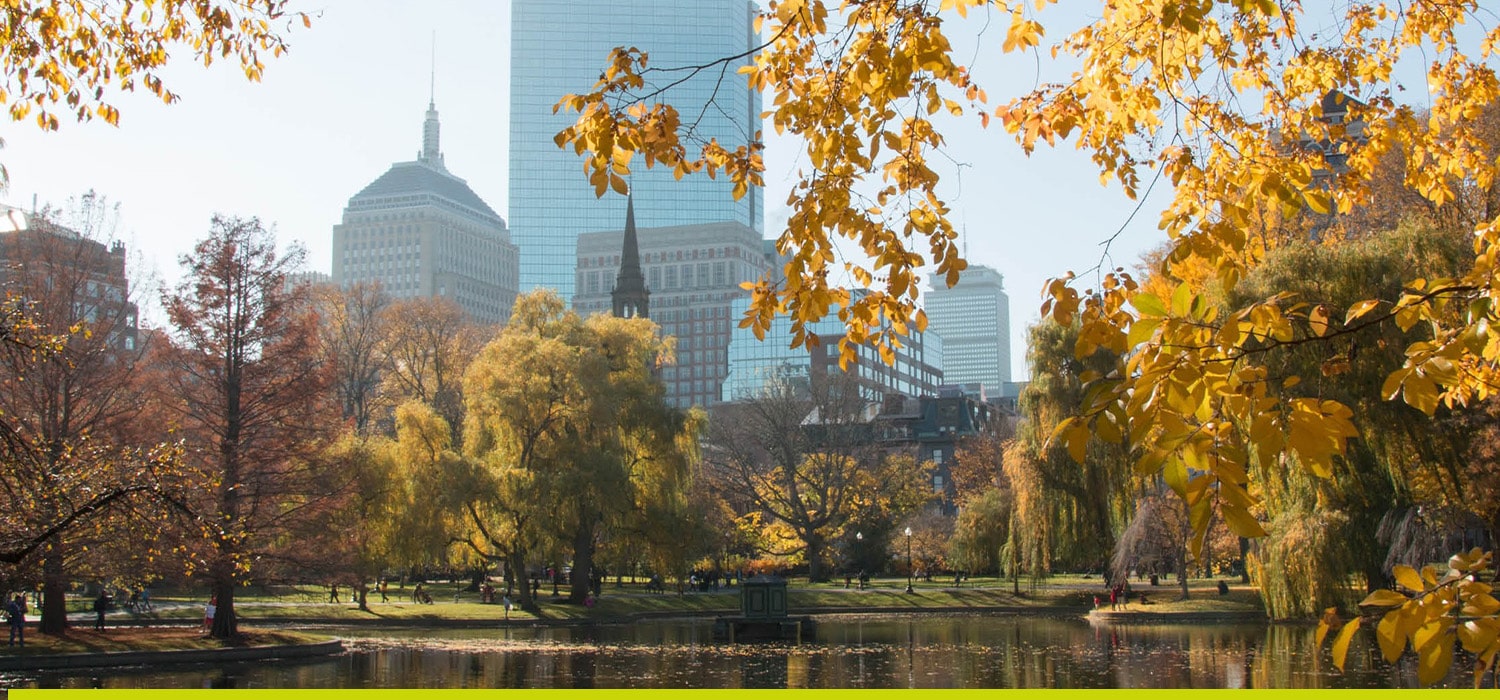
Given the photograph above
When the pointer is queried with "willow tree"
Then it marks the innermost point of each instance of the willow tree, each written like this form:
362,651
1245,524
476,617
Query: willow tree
570,428
1083,490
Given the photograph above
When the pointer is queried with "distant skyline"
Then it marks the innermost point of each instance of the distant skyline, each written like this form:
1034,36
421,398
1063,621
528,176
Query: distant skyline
561,43
348,98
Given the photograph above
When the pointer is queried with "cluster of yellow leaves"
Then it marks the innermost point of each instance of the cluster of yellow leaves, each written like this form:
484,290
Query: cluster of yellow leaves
1428,619
69,52
861,93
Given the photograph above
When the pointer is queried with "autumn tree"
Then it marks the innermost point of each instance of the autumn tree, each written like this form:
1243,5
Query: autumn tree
802,454
71,398
429,343
352,327
984,497
244,376
74,56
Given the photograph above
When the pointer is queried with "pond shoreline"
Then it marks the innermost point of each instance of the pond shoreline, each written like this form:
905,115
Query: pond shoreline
73,661
108,659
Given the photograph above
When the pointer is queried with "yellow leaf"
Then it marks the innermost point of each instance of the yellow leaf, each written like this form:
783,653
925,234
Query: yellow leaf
1388,634
1420,393
1478,635
1241,522
1317,200
1408,577
1435,657
1383,599
1341,643
1360,309
1482,605
1148,304
1318,319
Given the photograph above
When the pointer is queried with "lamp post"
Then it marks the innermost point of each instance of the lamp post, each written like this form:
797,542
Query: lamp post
859,542
908,560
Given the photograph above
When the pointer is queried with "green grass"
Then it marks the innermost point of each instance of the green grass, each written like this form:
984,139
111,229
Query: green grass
308,603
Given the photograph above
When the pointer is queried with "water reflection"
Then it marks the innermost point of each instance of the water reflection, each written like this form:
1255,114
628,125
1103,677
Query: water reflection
852,652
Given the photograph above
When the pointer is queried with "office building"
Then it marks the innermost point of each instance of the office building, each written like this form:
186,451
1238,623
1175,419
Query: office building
973,319
693,274
560,47
420,231
754,364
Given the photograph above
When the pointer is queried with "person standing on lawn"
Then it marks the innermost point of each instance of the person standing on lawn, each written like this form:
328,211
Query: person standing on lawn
15,614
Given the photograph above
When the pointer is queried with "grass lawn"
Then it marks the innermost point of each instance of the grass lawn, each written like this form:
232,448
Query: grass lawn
309,603
82,641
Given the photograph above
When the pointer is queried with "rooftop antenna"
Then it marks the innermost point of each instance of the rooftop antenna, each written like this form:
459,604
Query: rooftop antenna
432,77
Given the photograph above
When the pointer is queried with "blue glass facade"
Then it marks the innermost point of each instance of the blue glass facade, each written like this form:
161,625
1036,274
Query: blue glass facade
755,364
560,47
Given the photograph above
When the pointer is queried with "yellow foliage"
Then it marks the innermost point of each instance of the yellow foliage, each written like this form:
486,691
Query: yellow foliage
1158,87
67,53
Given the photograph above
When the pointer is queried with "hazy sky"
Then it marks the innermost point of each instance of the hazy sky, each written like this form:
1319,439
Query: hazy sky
348,100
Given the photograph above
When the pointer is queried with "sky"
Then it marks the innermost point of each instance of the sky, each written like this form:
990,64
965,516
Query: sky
348,100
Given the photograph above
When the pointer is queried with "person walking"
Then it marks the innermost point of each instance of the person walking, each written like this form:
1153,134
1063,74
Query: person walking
15,614
101,604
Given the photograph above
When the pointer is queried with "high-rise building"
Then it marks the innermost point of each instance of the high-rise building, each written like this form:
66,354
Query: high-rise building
560,47
973,318
755,363
693,274
420,231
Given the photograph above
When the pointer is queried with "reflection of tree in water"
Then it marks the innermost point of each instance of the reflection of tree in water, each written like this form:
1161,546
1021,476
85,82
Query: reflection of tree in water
924,652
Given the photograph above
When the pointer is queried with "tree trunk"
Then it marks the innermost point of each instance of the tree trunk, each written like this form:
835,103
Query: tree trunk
364,592
1182,573
517,563
815,569
583,561
54,613
226,624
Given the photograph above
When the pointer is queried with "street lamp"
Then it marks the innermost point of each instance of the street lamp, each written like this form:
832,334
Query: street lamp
859,541
908,560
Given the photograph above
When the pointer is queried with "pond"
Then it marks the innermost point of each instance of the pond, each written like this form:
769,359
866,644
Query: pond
974,651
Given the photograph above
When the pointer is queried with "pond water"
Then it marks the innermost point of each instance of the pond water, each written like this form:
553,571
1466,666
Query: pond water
976,651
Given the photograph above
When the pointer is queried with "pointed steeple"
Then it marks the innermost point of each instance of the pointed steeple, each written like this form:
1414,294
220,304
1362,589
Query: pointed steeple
431,154
630,297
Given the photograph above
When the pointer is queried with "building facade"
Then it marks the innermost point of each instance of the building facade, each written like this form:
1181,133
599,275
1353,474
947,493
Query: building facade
932,429
973,318
70,279
560,47
420,231
693,274
754,364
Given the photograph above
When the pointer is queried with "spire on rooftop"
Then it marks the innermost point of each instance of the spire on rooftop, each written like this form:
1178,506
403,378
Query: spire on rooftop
431,153
630,296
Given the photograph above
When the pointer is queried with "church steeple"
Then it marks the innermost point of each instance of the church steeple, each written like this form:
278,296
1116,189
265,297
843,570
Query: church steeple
630,297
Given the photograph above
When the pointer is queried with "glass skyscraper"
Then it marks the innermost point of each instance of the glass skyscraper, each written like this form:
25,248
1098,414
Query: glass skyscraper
560,47
755,364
